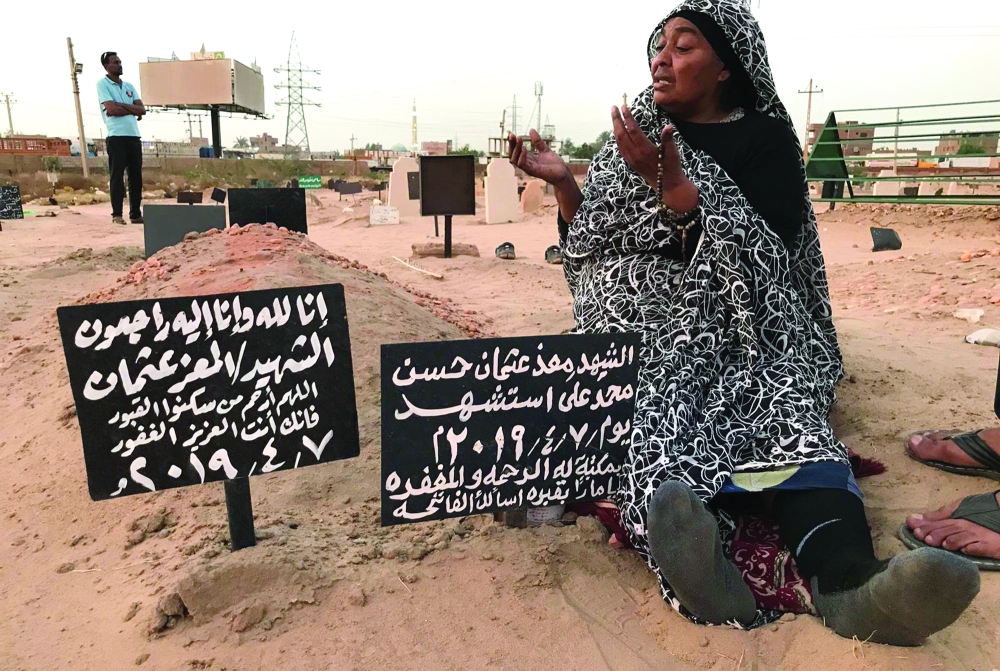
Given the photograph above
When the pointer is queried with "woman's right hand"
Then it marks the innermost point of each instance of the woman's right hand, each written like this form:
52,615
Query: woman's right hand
544,164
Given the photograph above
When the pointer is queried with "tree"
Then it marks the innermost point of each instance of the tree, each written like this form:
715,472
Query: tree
585,151
971,150
466,151
241,143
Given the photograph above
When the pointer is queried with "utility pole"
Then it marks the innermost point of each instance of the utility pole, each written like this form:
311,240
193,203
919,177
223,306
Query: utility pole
354,156
190,130
538,95
200,134
413,131
10,119
809,109
296,134
75,69
513,121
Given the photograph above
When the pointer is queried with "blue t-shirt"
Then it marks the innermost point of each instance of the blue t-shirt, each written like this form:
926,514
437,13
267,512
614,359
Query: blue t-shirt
124,126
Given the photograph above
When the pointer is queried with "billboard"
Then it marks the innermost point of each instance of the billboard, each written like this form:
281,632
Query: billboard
248,87
197,84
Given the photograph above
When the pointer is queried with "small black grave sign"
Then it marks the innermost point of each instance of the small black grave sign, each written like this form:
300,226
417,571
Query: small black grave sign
167,225
10,202
478,426
284,207
183,391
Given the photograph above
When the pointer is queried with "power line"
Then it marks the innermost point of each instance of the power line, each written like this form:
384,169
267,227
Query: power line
296,133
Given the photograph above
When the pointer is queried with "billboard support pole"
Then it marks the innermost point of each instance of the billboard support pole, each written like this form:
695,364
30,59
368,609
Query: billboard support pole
216,132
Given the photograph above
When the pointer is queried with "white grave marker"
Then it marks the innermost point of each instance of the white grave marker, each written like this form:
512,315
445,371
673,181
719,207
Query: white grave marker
399,189
501,192
383,215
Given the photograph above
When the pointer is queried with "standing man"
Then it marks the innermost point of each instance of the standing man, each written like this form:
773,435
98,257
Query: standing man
122,109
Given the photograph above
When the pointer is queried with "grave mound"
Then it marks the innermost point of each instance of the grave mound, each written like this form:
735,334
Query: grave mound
314,526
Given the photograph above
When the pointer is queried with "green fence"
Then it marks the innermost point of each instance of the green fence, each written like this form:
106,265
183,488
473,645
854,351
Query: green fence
942,154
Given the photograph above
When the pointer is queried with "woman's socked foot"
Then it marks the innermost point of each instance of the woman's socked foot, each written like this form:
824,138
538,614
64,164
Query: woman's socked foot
919,593
935,446
684,540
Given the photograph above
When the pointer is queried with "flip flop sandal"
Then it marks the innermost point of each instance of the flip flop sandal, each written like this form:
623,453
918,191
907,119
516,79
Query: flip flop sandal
553,255
980,509
972,445
506,251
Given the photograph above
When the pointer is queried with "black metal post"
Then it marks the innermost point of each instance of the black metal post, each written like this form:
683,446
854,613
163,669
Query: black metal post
216,133
437,233
239,509
516,518
447,236
996,396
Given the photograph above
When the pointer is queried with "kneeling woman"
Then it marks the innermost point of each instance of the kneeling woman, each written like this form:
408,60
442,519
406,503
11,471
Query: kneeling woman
694,228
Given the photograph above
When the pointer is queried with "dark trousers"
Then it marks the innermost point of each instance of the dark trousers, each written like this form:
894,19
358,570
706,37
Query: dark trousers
125,154
828,534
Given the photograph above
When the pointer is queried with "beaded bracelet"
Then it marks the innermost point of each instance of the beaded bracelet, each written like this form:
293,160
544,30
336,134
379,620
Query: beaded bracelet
681,221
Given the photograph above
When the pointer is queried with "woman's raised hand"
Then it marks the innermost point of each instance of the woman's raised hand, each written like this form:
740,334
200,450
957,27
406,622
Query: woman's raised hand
544,164
643,156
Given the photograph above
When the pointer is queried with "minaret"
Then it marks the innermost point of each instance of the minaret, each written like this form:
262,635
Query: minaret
415,147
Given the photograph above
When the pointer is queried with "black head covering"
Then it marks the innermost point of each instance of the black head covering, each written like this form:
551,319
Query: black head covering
740,90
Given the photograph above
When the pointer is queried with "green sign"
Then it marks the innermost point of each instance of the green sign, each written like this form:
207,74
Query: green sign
310,182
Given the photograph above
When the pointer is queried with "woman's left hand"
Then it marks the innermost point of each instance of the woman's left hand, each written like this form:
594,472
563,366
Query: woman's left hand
679,193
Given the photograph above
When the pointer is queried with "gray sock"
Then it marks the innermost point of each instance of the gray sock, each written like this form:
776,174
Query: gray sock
684,540
920,592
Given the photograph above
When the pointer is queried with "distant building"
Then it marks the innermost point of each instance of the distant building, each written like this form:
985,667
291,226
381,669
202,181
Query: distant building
951,142
34,145
435,148
167,148
265,144
855,141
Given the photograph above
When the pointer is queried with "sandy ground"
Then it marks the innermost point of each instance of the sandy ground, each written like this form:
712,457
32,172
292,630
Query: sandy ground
149,581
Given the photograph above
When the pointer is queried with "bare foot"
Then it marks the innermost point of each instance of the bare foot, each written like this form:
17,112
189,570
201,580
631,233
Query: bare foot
934,447
937,529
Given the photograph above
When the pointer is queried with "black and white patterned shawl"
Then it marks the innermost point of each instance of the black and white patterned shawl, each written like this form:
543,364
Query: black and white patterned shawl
740,355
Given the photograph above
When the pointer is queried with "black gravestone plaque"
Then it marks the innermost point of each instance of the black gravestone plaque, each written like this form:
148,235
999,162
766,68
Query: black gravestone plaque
190,197
447,185
167,225
413,185
183,391
218,195
10,202
284,207
479,426
349,188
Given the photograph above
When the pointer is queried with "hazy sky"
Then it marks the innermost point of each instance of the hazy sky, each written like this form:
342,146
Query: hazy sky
465,61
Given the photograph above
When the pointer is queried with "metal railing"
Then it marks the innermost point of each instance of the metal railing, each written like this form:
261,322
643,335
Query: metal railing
951,158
